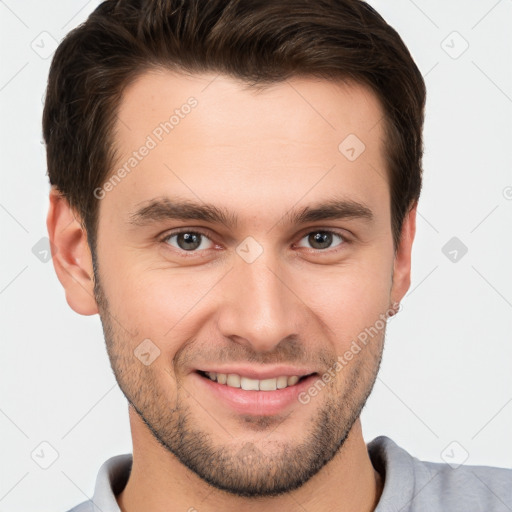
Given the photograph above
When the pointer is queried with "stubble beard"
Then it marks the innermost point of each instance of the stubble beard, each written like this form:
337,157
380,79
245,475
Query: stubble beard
241,468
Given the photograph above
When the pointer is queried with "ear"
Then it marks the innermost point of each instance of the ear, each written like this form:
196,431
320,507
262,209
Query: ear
71,255
402,263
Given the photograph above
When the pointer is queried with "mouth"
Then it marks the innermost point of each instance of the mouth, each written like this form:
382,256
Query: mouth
275,394
234,380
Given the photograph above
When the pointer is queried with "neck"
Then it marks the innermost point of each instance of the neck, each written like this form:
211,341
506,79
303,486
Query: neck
160,482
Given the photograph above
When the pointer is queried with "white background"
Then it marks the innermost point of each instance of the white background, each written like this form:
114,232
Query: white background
446,374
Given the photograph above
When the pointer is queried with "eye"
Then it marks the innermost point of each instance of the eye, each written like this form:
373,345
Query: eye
189,241
322,239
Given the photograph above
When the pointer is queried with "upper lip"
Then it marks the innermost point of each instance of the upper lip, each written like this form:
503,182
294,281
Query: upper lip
259,373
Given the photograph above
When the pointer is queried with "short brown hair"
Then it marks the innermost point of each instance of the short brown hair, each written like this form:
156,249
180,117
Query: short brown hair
259,41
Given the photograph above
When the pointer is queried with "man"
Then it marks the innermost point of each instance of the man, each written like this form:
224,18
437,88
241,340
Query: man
234,191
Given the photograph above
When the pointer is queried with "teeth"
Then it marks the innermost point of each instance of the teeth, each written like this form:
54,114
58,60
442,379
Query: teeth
249,384
236,381
233,380
293,380
282,382
268,384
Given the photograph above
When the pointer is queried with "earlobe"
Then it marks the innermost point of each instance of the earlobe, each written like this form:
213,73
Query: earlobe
71,255
402,262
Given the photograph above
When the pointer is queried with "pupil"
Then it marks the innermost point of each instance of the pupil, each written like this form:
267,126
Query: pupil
188,241
321,239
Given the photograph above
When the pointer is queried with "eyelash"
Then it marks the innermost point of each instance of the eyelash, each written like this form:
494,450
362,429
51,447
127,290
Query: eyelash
198,231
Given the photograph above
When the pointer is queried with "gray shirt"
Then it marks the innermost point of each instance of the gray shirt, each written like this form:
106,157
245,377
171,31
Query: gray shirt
410,485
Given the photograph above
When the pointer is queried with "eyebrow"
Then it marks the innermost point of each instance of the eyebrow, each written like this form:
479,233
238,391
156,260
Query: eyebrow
160,209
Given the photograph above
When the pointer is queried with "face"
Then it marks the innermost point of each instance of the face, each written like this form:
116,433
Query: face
239,257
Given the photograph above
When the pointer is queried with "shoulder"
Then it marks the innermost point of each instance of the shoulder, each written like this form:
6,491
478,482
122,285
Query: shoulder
478,488
417,485
111,479
86,506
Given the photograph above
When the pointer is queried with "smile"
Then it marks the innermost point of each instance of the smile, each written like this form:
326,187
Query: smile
239,381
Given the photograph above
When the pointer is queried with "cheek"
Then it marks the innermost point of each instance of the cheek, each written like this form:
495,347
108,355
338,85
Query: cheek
164,303
158,301
348,299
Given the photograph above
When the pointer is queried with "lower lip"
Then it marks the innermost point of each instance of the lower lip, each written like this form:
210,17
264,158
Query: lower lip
256,403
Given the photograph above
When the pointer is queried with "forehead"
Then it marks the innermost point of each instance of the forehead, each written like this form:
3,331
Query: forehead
212,135
304,108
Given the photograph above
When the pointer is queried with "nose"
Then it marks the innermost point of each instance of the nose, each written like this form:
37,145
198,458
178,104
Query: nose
259,307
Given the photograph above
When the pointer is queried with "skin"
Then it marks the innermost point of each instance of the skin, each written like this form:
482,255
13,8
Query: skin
260,154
